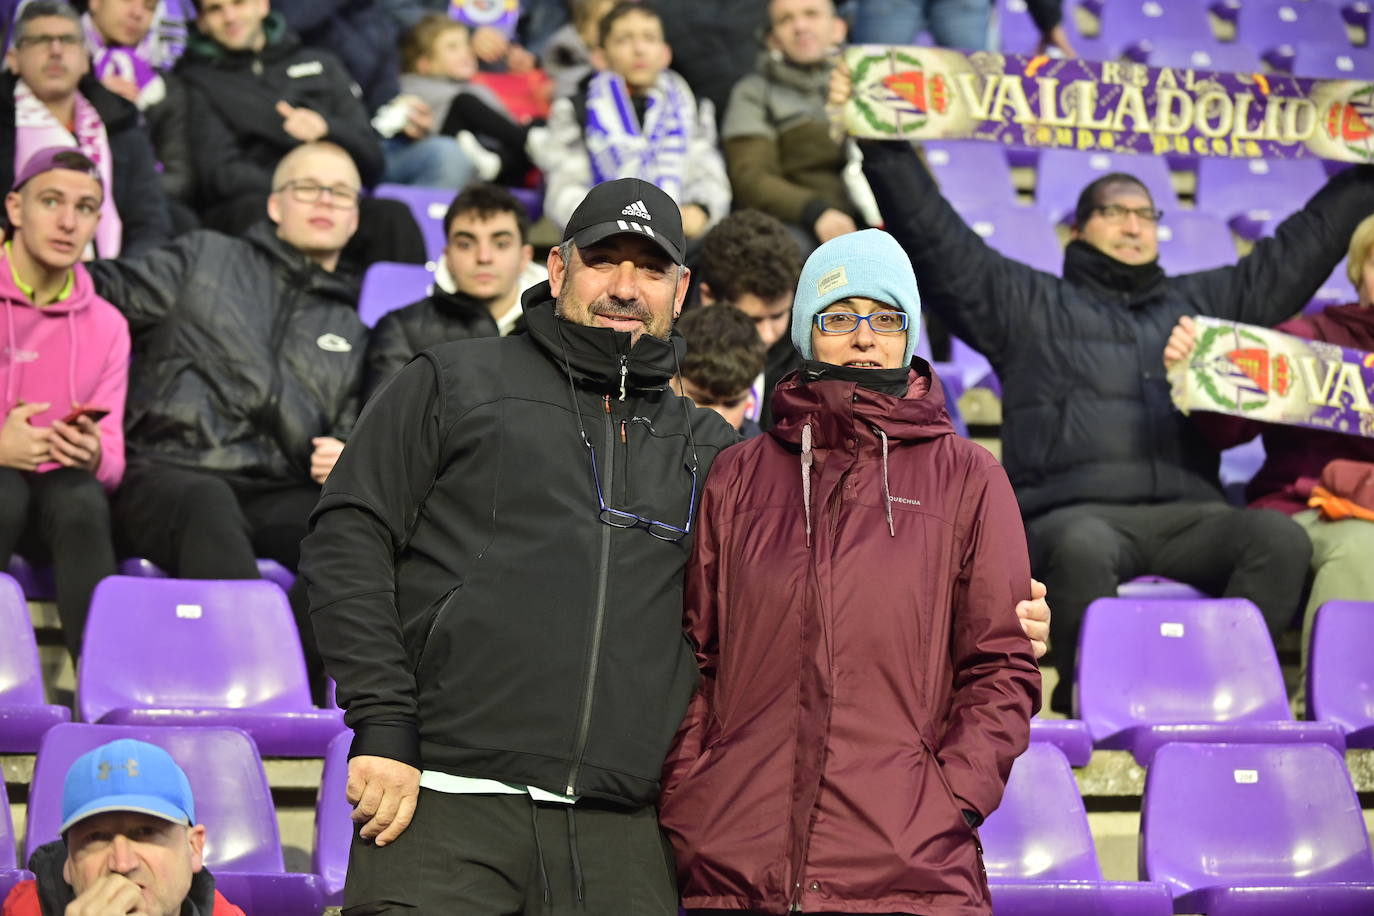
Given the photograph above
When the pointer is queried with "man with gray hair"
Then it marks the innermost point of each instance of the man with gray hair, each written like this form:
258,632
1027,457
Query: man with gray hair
49,98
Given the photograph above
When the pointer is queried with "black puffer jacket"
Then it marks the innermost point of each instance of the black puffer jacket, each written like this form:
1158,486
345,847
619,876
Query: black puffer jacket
1086,409
478,617
137,190
243,350
237,131
442,317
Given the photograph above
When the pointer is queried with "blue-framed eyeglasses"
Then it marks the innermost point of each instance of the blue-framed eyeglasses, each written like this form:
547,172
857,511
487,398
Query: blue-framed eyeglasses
884,322
619,518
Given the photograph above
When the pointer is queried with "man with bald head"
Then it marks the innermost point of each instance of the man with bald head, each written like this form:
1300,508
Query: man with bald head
247,372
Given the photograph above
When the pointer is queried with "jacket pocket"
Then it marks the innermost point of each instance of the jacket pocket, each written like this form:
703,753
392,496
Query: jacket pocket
959,814
435,616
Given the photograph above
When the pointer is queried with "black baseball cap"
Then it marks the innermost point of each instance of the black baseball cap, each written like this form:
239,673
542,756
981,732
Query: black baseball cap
628,205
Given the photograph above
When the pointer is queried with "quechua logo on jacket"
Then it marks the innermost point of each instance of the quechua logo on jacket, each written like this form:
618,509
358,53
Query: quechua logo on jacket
333,343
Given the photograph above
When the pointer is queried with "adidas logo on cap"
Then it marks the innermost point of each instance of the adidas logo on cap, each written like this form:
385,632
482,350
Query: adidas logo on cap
637,210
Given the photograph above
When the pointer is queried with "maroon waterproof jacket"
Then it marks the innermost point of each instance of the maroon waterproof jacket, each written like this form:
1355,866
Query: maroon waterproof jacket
1294,456
852,595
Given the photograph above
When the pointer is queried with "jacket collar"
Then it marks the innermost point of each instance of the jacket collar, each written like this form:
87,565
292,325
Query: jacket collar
597,355
806,80
303,272
54,893
459,305
1085,265
841,410
201,48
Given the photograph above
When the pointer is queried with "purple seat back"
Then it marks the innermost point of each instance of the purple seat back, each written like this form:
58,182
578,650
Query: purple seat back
1156,587
1245,815
1337,61
1248,193
36,581
1203,54
388,286
1340,670
1190,240
1161,661
1040,830
334,825
270,570
228,782
1023,234
428,206
189,643
1268,24
970,171
1128,26
1064,173
7,838
21,678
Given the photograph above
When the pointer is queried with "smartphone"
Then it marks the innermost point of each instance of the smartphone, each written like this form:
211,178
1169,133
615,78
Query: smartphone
86,410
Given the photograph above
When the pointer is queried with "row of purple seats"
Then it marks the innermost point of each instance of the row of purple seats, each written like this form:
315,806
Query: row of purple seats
233,800
428,206
36,582
25,713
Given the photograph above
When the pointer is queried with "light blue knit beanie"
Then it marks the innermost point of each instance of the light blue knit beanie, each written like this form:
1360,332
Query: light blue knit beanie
869,264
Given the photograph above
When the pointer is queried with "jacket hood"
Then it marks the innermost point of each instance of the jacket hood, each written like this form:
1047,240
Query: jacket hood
305,273
838,410
1088,266
204,49
807,80
82,295
597,355
55,893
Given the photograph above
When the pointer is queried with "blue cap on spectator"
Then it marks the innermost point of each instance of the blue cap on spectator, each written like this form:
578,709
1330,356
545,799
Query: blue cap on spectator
869,264
127,775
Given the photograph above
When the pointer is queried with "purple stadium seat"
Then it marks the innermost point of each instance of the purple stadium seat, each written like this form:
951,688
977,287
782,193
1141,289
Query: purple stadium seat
1155,671
1190,240
7,838
1130,26
1238,465
532,199
334,825
1333,61
1017,34
1203,54
1064,173
1021,233
35,581
1272,24
1157,587
200,652
1070,736
233,801
428,206
9,877
25,713
1256,830
1039,852
270,570
388,286
970,171
1340,675
1231,188
970,368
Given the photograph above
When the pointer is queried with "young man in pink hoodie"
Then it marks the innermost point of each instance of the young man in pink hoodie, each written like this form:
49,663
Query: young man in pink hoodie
63,373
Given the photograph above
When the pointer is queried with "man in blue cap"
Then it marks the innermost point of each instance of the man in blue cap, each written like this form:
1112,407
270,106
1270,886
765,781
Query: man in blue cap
130,842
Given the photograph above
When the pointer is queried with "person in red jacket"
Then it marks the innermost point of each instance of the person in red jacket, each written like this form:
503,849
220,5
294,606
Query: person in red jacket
130,842
865,684
1294,457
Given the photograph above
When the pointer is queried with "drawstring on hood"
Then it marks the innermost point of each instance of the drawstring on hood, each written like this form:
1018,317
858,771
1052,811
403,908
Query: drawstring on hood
887,494
806,458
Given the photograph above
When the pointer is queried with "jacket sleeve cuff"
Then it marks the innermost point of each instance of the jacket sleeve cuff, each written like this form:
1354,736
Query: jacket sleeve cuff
393,740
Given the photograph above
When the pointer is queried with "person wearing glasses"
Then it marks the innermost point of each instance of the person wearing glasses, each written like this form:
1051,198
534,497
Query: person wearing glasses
49,98
247,374
865,681
495,579
1113,483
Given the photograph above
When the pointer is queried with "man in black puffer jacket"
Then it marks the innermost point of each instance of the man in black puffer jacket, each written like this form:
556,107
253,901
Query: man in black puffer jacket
246,375
1112,481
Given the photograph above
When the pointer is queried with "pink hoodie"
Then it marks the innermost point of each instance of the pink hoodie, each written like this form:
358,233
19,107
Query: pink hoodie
71,352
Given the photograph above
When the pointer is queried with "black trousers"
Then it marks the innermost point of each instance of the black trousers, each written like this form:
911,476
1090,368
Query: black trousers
503,855
1083,552
198,525
61,517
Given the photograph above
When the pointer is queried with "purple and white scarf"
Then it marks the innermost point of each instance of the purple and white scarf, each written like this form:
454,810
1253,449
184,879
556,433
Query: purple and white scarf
36,128
655,151
143,63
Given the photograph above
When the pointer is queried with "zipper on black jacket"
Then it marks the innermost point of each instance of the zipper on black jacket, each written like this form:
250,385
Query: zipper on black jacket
584,719
272,408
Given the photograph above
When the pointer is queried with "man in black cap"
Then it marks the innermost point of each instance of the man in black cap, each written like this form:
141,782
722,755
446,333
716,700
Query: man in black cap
495,578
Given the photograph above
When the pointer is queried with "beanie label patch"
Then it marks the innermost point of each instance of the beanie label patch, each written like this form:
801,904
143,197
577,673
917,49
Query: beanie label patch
832,280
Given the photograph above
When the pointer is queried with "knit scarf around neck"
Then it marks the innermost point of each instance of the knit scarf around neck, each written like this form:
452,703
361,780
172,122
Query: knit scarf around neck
620,147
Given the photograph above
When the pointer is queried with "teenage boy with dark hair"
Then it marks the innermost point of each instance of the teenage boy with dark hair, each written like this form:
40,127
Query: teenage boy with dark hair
636,119
724,357
486,252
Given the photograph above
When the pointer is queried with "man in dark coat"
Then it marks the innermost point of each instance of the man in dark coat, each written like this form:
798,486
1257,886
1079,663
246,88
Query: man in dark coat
56,73
1112,481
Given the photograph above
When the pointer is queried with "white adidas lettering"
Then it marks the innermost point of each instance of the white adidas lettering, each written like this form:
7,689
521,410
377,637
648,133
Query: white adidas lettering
637,210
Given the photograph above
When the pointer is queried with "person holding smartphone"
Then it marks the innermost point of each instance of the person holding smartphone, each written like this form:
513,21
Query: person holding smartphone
64,358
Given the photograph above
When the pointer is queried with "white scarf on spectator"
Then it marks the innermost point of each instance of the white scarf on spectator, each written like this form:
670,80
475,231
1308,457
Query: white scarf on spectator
36,128
655,151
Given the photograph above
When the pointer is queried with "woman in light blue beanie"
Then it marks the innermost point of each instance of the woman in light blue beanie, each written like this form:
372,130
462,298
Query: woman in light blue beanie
868,264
